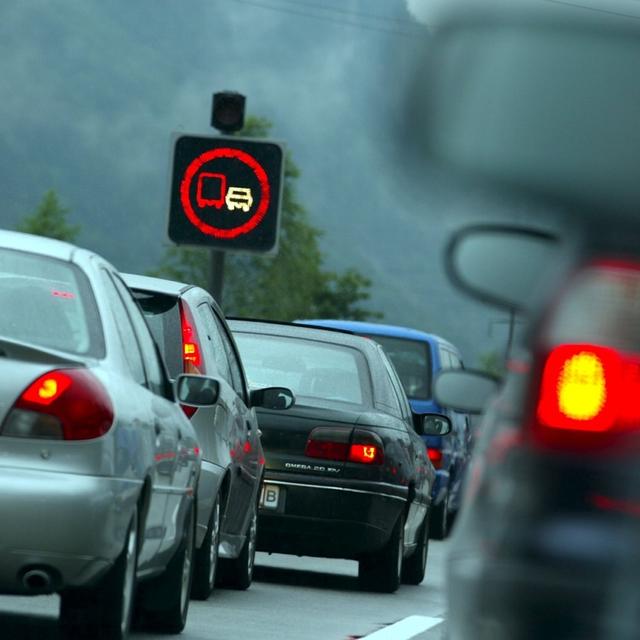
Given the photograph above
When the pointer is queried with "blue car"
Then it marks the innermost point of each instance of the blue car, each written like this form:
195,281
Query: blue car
418,357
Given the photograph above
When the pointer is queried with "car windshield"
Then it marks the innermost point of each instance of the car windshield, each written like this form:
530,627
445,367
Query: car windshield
48,303
412,360
314,371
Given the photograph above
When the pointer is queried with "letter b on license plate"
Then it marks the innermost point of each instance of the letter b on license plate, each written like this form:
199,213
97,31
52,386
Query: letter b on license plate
269,496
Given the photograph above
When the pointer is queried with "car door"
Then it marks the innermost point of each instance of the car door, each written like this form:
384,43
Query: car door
174,438
160,449
417,456
462,441
230,429
249,457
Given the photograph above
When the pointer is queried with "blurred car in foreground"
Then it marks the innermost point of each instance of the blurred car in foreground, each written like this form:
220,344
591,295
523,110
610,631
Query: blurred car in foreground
547,537
541,98
418,357
347,474
194,338
99,464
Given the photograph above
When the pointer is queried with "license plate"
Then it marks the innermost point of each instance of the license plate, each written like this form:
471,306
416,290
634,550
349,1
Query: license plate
269,496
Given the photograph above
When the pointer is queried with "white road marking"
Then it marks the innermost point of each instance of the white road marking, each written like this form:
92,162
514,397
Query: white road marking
404,629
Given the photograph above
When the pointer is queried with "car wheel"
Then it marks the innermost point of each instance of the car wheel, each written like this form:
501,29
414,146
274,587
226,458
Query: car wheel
414,567
238,573
381,571
439,524
104,611
164,601
206,558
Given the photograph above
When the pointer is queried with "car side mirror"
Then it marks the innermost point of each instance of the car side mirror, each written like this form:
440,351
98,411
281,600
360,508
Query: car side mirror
197,391
467,391
278,398
431,424
501,265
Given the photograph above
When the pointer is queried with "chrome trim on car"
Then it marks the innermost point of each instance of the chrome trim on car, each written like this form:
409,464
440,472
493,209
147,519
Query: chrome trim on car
319,486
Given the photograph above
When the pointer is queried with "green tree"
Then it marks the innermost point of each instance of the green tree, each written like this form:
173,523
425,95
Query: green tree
492,362
50,219
292,284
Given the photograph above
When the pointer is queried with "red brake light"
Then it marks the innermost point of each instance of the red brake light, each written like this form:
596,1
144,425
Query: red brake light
47,388
589,388
365,454
68,404
363,447
435,455
191,355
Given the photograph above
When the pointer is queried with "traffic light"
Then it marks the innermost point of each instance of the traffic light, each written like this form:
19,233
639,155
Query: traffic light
227,114
225,193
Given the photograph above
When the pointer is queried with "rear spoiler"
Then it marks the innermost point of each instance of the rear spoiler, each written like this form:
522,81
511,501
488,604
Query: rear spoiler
31,353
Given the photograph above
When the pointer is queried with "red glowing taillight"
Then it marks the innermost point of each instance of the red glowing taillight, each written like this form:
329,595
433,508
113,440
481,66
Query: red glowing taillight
435,455
69,404
587,390
588,379
191,353
361,446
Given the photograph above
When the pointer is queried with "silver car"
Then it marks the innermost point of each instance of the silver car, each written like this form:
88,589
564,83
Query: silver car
98,464
193,337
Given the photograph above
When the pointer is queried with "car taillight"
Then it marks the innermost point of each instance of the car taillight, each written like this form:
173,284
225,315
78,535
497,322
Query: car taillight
330,443
587,389
65,404
435,455
191,354
587,374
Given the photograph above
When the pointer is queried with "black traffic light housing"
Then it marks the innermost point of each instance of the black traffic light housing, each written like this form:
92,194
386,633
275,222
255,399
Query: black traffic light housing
227,113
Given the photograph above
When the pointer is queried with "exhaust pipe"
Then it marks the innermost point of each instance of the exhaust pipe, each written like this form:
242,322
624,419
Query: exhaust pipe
37,580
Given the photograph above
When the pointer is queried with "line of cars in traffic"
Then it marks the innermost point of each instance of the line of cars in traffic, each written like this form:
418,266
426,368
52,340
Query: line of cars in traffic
142,468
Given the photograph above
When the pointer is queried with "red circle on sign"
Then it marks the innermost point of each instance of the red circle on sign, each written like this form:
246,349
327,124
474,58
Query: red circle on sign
192,170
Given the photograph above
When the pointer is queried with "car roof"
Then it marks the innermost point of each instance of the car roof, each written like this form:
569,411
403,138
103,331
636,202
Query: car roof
286,329
37,244
375,328
159,285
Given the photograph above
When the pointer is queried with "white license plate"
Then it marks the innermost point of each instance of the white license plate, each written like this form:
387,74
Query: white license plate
269,496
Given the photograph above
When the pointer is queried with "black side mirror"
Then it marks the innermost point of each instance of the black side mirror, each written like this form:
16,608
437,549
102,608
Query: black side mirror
431,424
197,391
279,398
465,390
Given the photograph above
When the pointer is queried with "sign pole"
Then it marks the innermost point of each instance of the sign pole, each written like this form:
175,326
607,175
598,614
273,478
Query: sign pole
225,191
216,274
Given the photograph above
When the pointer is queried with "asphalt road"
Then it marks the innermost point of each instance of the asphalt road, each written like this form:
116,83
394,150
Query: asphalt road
290,598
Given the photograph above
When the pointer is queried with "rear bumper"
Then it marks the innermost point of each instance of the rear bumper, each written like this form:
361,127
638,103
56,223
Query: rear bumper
348,520
580,587
72,526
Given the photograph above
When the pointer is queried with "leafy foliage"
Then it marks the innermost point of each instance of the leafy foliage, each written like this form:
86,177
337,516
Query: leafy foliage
293,284
50,220
492,362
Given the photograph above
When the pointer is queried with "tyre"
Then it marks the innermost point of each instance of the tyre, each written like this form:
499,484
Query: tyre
238,573
381,571
104,611
439,523
164,601
206,558
414,567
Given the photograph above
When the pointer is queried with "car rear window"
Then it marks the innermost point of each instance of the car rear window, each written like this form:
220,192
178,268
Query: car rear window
412,361
313,370
48,303
162,312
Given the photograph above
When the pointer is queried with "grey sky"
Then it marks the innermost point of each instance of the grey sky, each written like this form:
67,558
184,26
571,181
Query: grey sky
92,90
